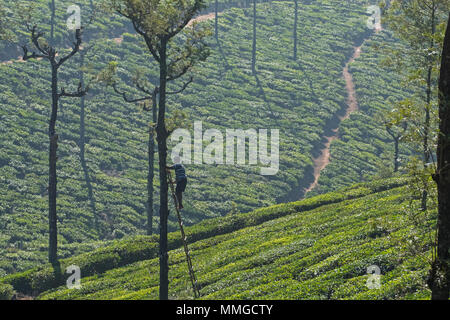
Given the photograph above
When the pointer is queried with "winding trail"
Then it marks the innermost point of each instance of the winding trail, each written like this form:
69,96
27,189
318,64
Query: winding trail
352,105
323,159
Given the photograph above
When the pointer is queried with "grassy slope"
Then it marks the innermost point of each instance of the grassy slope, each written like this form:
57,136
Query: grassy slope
364,148
297,98
315,251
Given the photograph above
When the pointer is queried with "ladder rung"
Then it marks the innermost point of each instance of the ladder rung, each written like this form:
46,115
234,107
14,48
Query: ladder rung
184,239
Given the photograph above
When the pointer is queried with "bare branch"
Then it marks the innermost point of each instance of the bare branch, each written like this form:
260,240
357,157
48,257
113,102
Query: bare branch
75,49
183,71
151,48
184,86
124,96
189,15
27,56
35,40
78,94
143,34
141,88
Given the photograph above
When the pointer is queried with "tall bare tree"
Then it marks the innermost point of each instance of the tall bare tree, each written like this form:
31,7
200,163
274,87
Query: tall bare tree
82,140
396,133
49,53
159,23
216,19
254,39
52,7
148,94
295,28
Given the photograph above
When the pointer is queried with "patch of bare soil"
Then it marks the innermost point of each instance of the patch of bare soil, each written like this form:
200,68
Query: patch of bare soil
352,105
201,18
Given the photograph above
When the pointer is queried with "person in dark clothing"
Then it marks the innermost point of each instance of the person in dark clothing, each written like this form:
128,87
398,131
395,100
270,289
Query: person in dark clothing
181,180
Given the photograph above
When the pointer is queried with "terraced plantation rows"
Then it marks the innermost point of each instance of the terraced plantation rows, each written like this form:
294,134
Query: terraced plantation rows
319,253
335,222
364,148
298,98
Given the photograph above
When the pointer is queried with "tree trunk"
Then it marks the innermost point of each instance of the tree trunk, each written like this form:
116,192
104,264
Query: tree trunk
216,8
440,272
82,146
52,23
151,167
52,218
295,29
396,154
254,39
162,152
426,147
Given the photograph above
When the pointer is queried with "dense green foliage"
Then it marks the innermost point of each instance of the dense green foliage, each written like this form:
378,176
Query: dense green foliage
317,248
6,291
124,252
313,250
299,98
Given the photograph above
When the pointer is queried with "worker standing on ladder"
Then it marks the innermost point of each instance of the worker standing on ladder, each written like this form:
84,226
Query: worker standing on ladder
181,180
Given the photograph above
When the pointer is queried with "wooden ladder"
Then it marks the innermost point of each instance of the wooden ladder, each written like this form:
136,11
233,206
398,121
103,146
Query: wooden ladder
183,237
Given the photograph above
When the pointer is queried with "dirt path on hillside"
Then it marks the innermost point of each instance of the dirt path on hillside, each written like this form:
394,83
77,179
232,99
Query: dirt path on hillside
203,17
352,105
19,59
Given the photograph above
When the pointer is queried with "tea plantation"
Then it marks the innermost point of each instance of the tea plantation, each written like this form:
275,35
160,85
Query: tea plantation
364,148
318,248
300,98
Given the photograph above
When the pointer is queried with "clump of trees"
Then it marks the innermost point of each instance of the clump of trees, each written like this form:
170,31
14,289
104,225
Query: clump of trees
422,25
439,281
